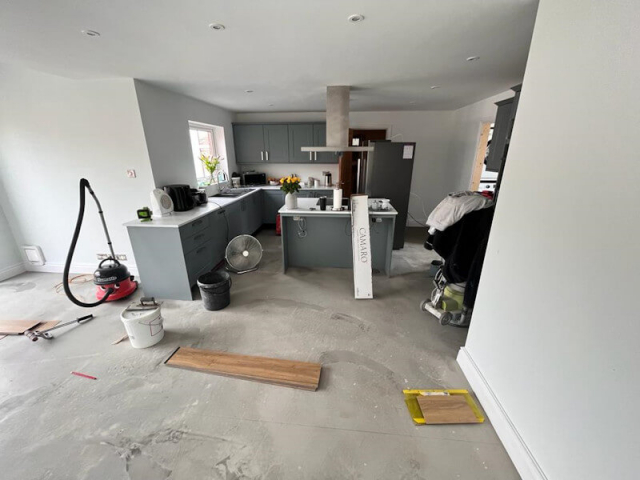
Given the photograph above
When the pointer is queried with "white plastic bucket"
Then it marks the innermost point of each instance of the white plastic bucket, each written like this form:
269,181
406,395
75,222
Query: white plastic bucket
144,327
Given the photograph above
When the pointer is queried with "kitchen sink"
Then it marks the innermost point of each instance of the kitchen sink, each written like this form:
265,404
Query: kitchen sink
235,192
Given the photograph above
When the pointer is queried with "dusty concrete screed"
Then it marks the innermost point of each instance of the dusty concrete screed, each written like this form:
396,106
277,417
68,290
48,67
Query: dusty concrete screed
142,420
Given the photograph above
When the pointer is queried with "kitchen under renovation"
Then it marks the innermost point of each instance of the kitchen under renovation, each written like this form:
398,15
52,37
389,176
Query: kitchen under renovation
315,240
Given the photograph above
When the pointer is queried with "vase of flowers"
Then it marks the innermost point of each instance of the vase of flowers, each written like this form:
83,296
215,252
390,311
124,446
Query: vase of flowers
211,165
290,185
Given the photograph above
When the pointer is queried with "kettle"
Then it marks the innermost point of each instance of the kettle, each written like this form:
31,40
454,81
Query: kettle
327,179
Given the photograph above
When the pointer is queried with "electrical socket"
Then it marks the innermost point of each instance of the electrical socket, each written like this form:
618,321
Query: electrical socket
121,256
102,256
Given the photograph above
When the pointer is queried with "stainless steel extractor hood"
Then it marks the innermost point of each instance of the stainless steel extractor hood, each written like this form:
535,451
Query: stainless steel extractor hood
337,123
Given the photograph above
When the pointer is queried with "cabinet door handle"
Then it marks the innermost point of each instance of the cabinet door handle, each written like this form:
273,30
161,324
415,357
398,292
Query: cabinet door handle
198,237
315,156
196,223
261,156
266,154
200,250
311,156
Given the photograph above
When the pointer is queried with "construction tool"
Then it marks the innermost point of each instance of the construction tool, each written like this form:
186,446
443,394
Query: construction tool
35,334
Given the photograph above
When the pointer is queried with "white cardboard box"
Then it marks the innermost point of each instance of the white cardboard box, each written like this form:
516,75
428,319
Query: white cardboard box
361,245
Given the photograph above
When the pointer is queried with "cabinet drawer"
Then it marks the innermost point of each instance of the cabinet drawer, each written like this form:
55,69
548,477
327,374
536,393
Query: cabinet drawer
196,240
194,227
198,260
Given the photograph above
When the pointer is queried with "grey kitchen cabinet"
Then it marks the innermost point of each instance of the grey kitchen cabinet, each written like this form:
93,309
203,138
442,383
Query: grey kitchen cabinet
276,143
320,140
235,218
170,260
502,125
273,200
249,143
301,135
245,215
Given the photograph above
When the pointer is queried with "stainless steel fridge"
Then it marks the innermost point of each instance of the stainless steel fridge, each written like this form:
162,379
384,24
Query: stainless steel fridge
386,173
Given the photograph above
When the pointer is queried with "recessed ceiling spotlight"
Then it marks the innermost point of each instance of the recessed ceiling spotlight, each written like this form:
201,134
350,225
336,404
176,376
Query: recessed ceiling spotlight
90,33
473,59
355,18
216,26
271,104
433,87
248,91
413,102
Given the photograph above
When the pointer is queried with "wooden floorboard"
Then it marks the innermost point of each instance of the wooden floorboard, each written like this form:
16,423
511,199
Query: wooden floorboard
16,327
275,371
438,409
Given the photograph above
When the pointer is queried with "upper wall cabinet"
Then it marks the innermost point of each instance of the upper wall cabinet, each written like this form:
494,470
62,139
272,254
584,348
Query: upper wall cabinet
281,143
261,143
300,135
276,143
249,143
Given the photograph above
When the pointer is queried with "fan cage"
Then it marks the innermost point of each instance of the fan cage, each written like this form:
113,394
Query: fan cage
244,252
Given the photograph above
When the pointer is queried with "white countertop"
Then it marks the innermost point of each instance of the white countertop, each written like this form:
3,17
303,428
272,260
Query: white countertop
177,219
305,205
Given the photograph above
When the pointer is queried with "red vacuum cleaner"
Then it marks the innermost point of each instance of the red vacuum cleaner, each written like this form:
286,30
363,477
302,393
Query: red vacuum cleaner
112,279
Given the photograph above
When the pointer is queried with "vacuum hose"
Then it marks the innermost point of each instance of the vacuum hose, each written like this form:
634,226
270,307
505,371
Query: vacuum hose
84,184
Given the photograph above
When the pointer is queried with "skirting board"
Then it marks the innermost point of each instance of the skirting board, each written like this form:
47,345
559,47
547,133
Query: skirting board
76,268
12,271
520,454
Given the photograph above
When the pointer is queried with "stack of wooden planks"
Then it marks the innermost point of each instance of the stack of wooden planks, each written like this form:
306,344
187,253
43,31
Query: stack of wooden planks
286,373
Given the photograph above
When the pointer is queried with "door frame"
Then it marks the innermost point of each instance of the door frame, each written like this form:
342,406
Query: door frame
481,151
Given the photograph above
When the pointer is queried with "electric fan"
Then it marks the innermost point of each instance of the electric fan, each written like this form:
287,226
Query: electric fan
243,254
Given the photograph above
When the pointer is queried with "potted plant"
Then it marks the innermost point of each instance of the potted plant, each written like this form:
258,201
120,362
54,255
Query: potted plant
290,185
211,165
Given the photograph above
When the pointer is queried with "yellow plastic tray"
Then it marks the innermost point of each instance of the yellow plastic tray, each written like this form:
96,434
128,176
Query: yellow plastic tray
416,412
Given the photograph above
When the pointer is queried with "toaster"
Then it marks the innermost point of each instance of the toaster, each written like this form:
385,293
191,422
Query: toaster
181,196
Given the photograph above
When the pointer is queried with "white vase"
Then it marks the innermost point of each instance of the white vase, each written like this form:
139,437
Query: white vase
291,201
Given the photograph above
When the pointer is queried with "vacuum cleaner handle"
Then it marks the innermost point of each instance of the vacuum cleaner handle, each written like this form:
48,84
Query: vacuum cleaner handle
84,184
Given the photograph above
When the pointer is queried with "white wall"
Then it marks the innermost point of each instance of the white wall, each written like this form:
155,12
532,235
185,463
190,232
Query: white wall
466,135
432,132
10,259
165,117
54,131
556,326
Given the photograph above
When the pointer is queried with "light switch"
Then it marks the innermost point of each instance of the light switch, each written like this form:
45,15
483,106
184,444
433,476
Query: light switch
131,173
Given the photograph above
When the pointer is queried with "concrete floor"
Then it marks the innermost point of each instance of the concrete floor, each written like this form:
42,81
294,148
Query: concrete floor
143,420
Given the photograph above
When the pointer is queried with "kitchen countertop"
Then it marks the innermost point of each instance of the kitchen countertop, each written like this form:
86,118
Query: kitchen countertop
305,204
177,219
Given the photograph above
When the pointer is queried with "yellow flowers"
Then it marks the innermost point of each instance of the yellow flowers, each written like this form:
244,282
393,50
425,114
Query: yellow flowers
284,180
290,184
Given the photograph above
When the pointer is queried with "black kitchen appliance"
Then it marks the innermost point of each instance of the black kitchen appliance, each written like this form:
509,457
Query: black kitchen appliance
181,196
254,178
386,173
199,196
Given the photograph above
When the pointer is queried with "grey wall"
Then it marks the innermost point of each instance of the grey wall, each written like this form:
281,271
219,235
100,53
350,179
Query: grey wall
53,131
555,331
165,118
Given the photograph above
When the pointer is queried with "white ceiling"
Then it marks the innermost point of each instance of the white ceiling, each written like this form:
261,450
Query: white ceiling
287,51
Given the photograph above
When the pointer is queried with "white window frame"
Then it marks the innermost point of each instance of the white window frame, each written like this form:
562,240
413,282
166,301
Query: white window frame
218,149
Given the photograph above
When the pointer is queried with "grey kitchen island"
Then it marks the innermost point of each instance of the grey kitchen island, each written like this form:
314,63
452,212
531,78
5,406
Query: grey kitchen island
322,238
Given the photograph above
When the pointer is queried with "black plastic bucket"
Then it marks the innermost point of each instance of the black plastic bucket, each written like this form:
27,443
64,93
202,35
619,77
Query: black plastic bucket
215,288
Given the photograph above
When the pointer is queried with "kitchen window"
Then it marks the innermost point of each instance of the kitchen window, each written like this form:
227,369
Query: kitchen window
208,140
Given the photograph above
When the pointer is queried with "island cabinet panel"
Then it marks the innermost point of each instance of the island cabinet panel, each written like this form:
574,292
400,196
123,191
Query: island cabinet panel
327,241
273,200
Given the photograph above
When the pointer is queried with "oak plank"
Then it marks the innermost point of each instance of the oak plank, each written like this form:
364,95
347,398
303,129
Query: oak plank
275,371
440,409
16,327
